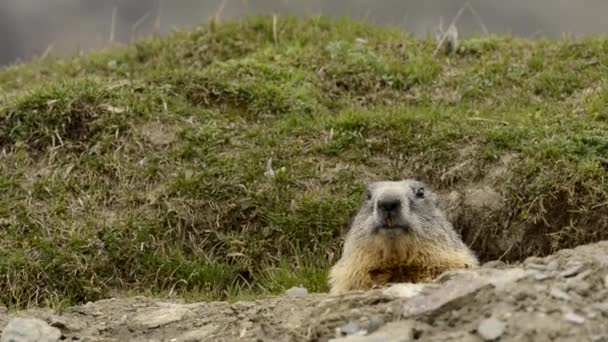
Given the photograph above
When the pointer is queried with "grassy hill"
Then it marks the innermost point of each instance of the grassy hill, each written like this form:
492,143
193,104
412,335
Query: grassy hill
142,169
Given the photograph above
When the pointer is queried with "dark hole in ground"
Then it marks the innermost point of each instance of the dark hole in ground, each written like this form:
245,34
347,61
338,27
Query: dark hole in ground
495,231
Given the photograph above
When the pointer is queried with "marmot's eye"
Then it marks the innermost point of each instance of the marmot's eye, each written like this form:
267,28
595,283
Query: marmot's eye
420,193
369,195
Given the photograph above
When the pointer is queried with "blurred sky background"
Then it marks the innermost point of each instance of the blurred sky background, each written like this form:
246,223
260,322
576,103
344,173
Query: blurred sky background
29,27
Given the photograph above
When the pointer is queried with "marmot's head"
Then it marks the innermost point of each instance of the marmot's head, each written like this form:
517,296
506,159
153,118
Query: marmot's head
402,207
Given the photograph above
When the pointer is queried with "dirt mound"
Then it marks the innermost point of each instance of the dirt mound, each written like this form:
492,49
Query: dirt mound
561,296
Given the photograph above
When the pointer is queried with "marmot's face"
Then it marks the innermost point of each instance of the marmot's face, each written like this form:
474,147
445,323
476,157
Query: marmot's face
401,207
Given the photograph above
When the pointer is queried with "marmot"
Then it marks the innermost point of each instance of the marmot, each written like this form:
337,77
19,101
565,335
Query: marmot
400,234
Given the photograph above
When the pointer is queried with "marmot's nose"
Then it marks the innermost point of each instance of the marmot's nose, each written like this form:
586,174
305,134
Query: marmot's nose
389,204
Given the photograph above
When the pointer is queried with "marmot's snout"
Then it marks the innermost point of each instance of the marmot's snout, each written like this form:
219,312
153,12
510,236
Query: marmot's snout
389,213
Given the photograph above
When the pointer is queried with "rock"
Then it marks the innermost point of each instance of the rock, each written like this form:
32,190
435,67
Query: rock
29,330
582,275
200,334
159,317
503,310
601,307
494,264
466,285
350,328
65,326
573,318
401,331
296,292
559,294
574,270
374,324
535,266
503,278
553,265
542,276
404,290
579,286
491,329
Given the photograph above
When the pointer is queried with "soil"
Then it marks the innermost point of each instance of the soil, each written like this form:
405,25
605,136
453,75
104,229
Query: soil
562,297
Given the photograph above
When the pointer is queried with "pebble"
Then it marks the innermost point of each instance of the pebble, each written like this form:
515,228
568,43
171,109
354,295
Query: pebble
542,276
374,324
449,292
580,287
574,270
29,330
539,267
404,290
392,331
157,318
601,307
553,265
297,292
582,275
559,294
573,318
200,334
491,329
350,328
590,313
504,278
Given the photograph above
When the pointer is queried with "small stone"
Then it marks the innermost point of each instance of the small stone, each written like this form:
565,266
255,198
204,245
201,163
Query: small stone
491,329
582,275
392,331
590,313
501,279
494,264
296,292
466,286
542,276
601,307
503,310
200,334
29,330
573,318
374,324
553,265
539,267
559,294
580,287
350,328
156,318
404,290
533,260
606,280
574,270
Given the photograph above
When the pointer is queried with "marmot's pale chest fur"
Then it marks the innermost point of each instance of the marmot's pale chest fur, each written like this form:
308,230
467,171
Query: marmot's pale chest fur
400,234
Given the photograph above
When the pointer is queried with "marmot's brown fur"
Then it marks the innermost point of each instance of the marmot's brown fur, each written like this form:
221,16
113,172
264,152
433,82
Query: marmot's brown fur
400,234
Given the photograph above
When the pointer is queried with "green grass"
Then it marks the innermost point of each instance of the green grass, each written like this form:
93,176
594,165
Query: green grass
141,169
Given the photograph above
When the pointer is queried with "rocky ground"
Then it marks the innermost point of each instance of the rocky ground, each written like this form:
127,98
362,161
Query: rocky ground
560,297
